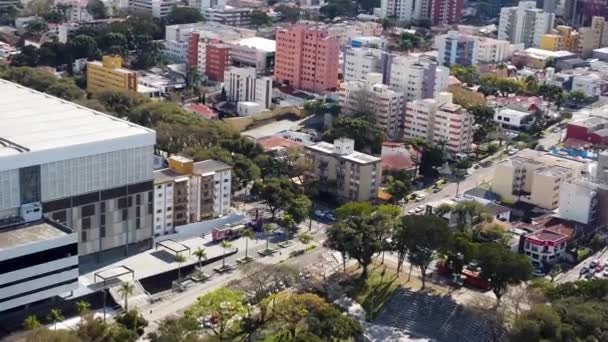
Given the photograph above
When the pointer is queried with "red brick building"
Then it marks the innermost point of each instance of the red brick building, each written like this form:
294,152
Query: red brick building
217,61
192,57
444,12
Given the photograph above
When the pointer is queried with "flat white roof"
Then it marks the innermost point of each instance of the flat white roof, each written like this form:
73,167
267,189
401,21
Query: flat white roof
259,43
513,112
34,123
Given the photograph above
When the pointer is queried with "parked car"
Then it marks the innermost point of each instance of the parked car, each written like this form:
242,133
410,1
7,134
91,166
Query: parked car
419,209
330,217
599,268
319,213
583,270
593,264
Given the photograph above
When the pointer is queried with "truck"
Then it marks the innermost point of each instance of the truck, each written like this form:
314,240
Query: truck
227,233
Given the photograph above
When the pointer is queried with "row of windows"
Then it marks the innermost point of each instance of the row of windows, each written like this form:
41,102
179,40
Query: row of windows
38,258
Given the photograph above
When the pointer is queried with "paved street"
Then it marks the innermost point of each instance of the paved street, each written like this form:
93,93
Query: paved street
573,274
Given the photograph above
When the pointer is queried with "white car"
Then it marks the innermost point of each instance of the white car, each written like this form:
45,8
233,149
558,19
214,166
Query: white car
419,209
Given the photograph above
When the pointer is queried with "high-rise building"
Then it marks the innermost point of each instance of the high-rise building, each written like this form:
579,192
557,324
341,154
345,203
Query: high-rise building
228,15
524,24
593,37
446,12
307,58
439,121
358,62
217,61
386,104
242,85
563,38
356,175
189,192
153,8
457,48
110,75
417,77
85,169
405,10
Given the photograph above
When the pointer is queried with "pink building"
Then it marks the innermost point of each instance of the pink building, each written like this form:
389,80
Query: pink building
306,58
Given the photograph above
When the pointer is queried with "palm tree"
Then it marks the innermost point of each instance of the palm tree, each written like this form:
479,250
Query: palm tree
82,307
248,234
225,245
200,254
126,289
268,228
55,317
179,259
31,323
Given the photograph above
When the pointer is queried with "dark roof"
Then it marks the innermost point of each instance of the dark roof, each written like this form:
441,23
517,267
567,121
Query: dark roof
497,209
482,193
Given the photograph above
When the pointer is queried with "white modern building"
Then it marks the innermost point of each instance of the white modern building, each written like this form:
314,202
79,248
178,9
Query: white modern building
439,121
153,8
524,24
204,4
358,62
255,52
242,85
590,84
38,260
85,169
228,15
176,50
513,119
189,192
345,31
386,104
418,77
578,201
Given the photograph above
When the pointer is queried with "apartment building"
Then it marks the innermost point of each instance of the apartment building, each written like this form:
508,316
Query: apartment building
242,85
307,58
228,15
563,38
458,48
38,260
85,169
438,121
386,104
153,8
345,31
217,60
358,62
534,177
417,77
110,75
356,175
446,12
524,24
405,10
188,192
581,42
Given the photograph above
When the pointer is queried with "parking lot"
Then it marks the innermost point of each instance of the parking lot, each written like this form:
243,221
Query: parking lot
599,272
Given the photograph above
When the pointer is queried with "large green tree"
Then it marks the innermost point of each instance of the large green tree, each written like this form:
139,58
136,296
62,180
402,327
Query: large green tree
223,304
501,268
184,15
366,135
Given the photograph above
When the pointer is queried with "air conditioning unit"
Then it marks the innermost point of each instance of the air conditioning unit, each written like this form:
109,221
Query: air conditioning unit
31,211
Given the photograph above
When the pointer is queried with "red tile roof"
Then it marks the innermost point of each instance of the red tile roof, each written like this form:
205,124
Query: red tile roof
201,110
547,235
270,142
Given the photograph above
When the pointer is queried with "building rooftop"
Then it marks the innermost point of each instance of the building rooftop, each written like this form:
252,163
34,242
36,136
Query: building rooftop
547,235
357,157
120,70
33,121
199,168
482,193
589,122
272,142
29,233
259,43
544,54
513,112
553,171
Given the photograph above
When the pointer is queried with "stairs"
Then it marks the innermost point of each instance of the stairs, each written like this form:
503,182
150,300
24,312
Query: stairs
137,299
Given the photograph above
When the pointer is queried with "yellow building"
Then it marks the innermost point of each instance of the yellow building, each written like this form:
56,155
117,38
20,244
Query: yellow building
109,75
564,38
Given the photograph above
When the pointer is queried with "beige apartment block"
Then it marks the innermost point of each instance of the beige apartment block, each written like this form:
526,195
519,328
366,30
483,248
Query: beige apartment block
356,175
534,177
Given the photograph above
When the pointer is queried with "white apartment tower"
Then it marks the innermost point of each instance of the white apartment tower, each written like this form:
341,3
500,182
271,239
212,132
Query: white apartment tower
358,62
524,24
242,85
405,10
439,121
386,104
418,78
189,192
153,8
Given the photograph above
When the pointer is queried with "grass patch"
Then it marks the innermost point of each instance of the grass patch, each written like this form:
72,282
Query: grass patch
375,291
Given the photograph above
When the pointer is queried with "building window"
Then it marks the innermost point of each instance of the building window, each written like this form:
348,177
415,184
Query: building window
86,223
102,232
59,216
138,199
137,223
137,211
102,220
125,214
102,207
88,210
83,236
122,203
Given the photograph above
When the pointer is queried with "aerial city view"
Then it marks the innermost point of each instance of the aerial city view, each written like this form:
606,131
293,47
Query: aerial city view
303,170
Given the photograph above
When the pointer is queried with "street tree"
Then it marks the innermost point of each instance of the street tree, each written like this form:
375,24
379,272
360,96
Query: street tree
177,329
268,228
225,244
279,193
424,236
501,268
224,305
367,136
200,254
31,322
398,190
259,18
248,234
305,239
55,316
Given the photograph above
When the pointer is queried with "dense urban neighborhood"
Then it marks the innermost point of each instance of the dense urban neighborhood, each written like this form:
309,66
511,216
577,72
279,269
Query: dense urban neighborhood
303,170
